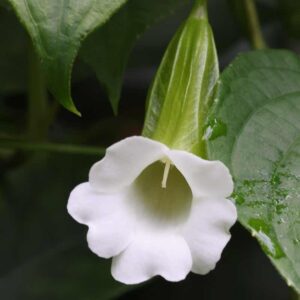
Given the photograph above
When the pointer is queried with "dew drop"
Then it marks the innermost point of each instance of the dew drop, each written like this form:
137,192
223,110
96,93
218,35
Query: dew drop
214,129
289,282
269,243
238,198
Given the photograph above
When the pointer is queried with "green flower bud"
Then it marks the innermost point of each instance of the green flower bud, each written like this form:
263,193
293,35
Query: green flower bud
183,88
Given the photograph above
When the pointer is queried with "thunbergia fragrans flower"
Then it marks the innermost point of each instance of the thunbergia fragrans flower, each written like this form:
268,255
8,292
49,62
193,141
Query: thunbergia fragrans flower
156,211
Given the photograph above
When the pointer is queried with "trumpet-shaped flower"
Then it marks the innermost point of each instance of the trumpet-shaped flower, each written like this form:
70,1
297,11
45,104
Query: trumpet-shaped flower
156,211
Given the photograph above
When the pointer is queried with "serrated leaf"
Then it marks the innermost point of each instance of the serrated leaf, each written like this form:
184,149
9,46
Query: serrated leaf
258,107
108,48
57,28
183,86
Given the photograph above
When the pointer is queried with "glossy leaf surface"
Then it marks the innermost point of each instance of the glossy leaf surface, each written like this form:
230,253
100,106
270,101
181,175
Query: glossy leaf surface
57,28
255,130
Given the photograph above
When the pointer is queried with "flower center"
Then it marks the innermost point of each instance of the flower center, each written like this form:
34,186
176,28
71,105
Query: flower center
157,203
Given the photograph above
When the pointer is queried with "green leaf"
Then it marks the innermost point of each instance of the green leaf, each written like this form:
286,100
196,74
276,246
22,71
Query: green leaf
57,28
182,90
258,110
108,48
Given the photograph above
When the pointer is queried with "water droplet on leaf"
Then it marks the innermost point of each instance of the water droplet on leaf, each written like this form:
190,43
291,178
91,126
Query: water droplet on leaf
268,242
214,129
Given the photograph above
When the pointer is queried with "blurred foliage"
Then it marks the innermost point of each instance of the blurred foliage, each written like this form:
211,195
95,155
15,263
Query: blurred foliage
43,253
287,12
290,10
13,54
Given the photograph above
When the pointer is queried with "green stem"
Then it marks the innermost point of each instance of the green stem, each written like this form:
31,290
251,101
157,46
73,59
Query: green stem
51,147
256,36
37,98
200,9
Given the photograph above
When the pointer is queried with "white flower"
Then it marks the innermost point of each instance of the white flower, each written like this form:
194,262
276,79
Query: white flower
156,211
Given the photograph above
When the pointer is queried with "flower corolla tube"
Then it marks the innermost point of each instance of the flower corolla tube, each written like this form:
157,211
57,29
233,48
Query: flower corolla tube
155,210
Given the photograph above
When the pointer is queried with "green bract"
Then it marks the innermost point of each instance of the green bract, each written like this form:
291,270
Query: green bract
258,107
182,90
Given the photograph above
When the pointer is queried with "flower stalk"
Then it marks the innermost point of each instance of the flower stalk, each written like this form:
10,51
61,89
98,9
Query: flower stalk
37,98
29,146
254,27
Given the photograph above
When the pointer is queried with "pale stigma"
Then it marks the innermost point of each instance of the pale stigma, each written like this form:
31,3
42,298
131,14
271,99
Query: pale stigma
166,173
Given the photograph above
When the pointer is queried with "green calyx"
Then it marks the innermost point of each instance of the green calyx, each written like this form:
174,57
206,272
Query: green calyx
184,86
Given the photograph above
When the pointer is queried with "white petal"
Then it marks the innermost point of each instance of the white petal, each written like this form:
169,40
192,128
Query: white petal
153,254
206,178
123,162
207,231
110,226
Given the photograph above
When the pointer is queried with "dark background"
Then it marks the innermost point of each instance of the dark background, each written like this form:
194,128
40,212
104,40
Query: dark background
43,252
